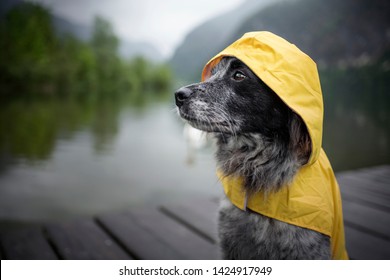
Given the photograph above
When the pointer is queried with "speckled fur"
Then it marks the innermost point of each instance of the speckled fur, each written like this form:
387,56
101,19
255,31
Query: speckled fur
260,139
247,235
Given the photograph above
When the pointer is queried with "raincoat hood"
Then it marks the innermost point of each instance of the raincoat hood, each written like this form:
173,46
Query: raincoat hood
313,198
288,71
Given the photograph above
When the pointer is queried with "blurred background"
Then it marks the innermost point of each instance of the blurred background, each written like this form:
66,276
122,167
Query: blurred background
87,119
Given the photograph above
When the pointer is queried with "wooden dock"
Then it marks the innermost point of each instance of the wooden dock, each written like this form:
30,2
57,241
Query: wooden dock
188,231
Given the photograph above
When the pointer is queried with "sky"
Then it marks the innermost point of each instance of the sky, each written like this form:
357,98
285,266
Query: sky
163,23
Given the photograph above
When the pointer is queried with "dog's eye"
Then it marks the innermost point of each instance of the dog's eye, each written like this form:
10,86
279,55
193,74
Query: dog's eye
238,76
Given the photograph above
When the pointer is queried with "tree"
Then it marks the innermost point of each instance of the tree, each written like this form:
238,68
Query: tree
27,42
105,46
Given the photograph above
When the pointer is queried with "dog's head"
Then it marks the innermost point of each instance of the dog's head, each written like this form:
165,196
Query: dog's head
261,97
234,101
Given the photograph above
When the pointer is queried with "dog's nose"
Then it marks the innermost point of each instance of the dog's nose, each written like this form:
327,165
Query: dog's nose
181,95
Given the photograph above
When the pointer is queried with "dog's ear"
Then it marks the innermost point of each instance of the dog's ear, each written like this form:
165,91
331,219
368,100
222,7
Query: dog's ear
300,142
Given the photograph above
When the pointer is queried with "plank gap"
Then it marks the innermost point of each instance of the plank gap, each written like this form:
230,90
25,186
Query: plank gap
365,202
2,252
116,239
366,230
51,244
137,238
186,224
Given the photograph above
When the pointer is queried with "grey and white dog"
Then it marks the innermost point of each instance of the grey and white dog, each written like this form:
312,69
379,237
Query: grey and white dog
260,139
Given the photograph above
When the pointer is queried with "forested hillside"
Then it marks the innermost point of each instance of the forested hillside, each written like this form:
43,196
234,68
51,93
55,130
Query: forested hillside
350,42
348,33
36,60
208,38
334,33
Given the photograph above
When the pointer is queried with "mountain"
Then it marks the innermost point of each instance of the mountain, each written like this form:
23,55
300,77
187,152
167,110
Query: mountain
127,49
333,32
130,49
6,5
208,38
63,27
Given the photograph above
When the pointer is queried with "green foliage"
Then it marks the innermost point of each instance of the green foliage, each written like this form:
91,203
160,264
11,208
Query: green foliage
104,45
104,42
51,85
34,61
28,46
77,75
29,129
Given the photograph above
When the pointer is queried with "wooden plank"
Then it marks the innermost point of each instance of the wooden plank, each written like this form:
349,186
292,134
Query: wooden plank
356,198
363,184
199,214
381,170
364,188
84,240
180,238
363,246
351,191
136,239
26,244
378,174
370,218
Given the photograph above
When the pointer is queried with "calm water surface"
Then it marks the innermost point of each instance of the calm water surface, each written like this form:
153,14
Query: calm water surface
144,162
60,161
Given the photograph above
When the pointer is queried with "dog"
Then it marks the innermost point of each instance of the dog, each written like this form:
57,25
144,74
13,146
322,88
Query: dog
262,140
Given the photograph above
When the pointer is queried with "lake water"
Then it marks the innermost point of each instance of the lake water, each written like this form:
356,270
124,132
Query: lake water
144,161
60,161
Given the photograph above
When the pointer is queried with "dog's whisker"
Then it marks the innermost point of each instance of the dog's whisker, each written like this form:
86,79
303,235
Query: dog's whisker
175,110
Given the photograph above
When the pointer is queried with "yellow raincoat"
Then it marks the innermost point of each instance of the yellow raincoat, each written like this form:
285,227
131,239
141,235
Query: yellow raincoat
313,199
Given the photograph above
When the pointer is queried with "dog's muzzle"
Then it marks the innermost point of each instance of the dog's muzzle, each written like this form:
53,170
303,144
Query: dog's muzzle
181,95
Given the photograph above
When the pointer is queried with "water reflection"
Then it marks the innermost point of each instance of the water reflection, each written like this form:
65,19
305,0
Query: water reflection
106,158
353,140
29,129
357,116
64,159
